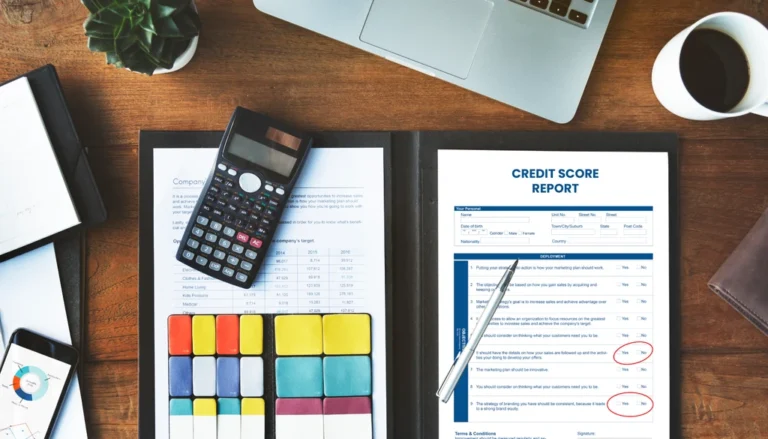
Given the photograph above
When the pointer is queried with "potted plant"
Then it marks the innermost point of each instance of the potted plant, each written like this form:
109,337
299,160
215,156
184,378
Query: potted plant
145,36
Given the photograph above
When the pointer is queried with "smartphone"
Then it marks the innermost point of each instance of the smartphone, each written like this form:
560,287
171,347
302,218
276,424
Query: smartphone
34,377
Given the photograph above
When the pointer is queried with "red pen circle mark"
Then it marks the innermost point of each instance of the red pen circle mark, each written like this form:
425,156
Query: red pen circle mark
635,362
608,404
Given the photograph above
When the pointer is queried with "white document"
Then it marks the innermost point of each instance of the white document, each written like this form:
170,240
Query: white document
31,298
327,257
34,199
580,345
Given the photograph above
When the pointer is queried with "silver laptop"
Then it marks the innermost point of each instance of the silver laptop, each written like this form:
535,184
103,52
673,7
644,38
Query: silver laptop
532,54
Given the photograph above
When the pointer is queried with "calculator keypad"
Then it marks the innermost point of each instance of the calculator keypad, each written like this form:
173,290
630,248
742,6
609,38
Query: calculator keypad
238,214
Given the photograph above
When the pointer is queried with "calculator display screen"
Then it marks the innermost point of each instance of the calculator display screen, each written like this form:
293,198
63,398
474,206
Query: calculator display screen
255,152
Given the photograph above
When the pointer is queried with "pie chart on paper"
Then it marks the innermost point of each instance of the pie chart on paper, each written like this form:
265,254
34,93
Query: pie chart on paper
30,383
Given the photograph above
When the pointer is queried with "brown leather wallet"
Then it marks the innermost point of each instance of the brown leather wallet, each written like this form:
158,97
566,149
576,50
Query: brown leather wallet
742,281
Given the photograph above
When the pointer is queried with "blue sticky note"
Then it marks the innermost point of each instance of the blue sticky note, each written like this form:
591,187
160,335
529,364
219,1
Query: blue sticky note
181,407
229,406
299,377
347,376
228,377
180,376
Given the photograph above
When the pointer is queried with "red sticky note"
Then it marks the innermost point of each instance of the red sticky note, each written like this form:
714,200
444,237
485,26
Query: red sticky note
227,335
180,335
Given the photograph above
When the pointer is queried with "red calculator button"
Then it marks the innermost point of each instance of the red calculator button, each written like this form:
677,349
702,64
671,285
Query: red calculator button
256,243
242,237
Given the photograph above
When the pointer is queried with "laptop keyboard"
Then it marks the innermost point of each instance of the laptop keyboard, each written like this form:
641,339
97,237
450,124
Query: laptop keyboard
575,12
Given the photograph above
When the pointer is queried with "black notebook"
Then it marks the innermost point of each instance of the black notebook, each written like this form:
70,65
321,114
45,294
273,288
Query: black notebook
415,229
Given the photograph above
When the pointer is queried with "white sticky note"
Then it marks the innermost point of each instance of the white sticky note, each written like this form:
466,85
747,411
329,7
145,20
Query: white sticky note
204,376
252,376
205,419
252,427
229,426
181,420
298,427
348,427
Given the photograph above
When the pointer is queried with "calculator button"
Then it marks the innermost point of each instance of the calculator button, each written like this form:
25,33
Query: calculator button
250,254
222,167
197,231
218,212
245,265
241,277
211,237
241,223
262,198
266,223
228,271
232,260
257,208
209,199
232,208
273,203
216,227
218,179
256,243
232,172
261,231
213,190
215,266
242,212
201,260
269,188
249,182
237,248
280,191
207,208
229,231
188,255
224,243
221,203
226,194
229,184
253,217
207,249
218,254
192,243
242,237
203,221
250,228
229,219
248,203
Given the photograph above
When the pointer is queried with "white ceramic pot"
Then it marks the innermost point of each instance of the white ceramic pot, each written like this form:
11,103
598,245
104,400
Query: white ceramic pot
182,60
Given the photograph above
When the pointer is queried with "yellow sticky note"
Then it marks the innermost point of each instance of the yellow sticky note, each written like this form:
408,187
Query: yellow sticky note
204,335
204,407
299,335
252,406
251,335
347,334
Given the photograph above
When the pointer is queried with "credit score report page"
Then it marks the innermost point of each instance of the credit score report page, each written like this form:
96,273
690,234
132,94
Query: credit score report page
580,344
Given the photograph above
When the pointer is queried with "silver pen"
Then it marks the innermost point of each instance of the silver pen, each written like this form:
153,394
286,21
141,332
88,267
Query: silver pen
460,363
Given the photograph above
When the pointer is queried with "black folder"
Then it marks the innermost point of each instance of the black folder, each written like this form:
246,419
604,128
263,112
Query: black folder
70,154
411,239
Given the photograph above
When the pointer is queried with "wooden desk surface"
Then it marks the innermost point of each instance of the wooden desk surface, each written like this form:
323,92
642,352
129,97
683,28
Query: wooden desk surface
247,58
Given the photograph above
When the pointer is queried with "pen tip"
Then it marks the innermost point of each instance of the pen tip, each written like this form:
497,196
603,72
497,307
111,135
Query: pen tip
513,267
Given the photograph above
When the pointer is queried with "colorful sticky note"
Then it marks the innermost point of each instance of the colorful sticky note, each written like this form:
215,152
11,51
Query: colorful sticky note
180,376
299,377
229,418
252,425
251,335
205,418
347,376
227,335
251,376
203,335
299,335
180,335
347,334
204,376
298,418
181,425
228,377
347,418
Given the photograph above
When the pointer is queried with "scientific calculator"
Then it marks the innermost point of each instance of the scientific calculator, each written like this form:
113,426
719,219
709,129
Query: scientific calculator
239,208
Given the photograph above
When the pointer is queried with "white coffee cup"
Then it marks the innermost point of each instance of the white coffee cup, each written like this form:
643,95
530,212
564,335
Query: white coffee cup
751,35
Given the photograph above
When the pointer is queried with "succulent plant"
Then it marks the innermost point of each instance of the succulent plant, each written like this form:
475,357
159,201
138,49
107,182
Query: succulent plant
141,35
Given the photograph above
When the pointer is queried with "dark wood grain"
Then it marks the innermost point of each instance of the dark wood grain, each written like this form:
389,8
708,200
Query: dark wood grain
249,59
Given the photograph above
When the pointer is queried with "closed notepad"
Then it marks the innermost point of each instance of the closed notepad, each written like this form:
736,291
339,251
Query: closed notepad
34,199
742,280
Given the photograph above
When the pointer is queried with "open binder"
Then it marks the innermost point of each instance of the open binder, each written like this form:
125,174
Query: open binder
412,252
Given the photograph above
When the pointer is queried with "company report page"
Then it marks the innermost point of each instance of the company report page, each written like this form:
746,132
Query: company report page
579,347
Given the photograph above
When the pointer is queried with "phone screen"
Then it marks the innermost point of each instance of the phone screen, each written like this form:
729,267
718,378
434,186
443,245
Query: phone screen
31,385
